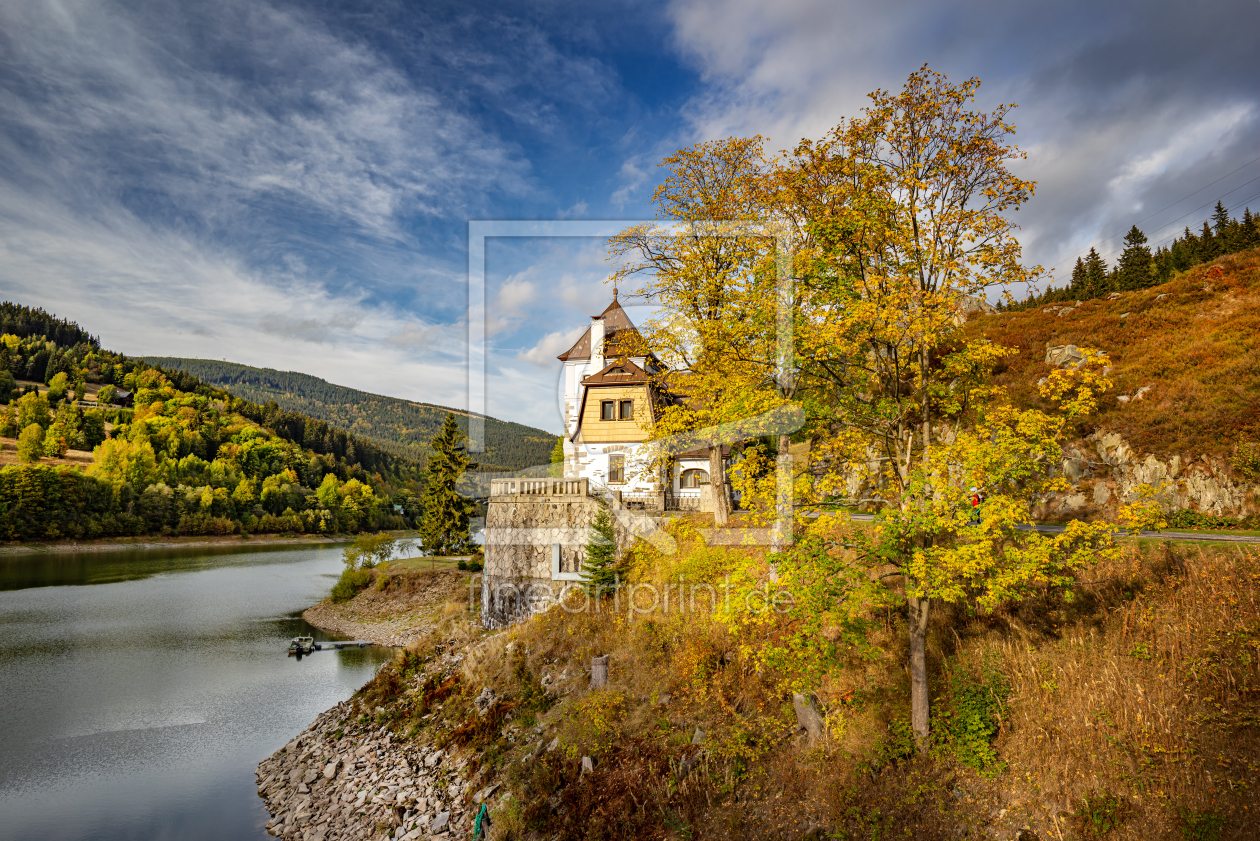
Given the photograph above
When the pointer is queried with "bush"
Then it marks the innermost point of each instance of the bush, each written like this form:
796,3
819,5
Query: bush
1247,461
351,582
1201,826
462,564
967,719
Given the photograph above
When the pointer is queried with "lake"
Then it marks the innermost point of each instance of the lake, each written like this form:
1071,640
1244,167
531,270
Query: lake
139,688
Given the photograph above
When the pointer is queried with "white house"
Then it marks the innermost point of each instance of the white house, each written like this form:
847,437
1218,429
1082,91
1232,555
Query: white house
610,407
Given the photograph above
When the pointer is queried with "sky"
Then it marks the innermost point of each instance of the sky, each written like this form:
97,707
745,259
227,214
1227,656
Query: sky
289,185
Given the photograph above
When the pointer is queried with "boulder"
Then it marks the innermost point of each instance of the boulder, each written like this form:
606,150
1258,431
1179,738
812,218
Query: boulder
439,823
1062,356
588,765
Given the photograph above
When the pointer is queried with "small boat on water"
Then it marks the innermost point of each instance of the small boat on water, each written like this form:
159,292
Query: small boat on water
302,645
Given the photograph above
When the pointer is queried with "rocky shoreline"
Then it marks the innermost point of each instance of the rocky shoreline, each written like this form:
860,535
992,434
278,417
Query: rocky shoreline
341,780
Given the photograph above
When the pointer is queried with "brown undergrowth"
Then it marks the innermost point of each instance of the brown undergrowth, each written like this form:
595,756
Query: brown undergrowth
1194,340
1130,709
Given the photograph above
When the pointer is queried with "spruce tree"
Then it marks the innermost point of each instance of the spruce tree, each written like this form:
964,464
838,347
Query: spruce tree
1209,245
601,571
1134,269
1220,219
444,520
1250,232
1096,275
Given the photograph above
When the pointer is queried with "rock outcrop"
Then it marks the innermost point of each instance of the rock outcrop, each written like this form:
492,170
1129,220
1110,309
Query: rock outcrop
1105,472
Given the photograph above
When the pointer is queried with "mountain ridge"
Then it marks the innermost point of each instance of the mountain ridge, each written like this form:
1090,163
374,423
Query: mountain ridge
399,425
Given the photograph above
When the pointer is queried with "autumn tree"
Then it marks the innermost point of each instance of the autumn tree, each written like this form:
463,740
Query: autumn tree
444,521
706,263
30,445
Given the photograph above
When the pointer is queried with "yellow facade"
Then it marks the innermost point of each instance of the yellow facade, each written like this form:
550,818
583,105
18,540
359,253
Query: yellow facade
595,430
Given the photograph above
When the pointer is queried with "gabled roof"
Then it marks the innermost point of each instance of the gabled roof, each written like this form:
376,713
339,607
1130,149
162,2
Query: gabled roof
615,321
618,372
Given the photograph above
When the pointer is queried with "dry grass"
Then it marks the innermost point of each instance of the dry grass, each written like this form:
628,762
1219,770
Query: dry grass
1195,340
1144,688
1154,695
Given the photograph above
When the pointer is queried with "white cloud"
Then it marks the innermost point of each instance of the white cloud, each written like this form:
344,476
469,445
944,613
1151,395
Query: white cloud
552,345
632,177
1120,117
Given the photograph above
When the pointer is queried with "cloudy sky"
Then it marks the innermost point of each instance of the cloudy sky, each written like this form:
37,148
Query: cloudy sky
290,185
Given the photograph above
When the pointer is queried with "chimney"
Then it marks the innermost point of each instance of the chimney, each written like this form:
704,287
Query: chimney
597,344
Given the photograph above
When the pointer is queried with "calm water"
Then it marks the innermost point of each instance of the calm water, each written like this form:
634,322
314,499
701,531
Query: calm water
139,689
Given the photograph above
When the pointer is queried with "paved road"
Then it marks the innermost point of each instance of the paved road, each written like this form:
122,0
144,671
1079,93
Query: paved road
1158,535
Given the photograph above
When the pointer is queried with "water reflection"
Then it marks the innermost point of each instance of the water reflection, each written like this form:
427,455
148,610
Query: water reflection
141,688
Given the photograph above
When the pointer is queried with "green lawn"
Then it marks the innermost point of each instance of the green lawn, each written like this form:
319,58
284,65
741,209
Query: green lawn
449,564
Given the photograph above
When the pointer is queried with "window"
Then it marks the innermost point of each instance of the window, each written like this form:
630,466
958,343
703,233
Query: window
616,468
627,410
693,478
608,410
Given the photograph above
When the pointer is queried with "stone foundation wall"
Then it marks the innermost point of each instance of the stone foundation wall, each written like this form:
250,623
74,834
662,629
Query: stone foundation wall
520,532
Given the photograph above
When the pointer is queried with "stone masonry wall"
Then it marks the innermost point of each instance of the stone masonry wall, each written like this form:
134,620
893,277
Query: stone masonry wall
519,532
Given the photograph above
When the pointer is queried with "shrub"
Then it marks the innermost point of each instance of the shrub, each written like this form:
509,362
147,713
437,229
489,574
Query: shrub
1247,461
1201,826
462,564
969,716
351,582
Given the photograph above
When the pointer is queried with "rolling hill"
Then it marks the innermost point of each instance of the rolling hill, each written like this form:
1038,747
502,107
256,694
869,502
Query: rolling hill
403,427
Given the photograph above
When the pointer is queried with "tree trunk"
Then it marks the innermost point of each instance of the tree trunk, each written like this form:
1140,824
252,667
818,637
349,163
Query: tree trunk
781,536
918,669
717,486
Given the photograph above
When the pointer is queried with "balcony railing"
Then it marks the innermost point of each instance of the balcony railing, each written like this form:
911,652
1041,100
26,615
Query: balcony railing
538,487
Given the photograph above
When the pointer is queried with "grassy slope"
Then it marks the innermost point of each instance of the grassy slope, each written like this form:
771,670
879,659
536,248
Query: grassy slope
1198,347
1142,690
401,426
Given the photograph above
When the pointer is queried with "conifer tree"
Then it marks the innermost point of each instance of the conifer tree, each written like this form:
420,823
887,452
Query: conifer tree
1220,219
1250,233
1079,283
444,521
1095,275
601,572
1209,245
1134,269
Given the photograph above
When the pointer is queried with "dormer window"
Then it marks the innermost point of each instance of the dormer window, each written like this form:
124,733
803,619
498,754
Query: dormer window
608,410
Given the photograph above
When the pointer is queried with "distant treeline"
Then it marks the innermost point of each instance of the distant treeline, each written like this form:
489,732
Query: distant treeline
1138,268
24,322
400,426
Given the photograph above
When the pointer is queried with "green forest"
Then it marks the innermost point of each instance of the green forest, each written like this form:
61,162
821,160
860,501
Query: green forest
170,453
400,426
1140,268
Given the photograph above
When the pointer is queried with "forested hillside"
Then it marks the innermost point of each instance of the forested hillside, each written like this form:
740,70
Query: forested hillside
400,426
168,453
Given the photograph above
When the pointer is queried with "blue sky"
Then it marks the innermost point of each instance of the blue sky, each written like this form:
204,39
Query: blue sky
289,185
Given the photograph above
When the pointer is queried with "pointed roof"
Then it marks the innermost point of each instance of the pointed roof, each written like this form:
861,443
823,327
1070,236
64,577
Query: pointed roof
615,321
618,372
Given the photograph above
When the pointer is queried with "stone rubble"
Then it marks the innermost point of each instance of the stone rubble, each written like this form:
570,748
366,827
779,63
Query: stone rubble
362,785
